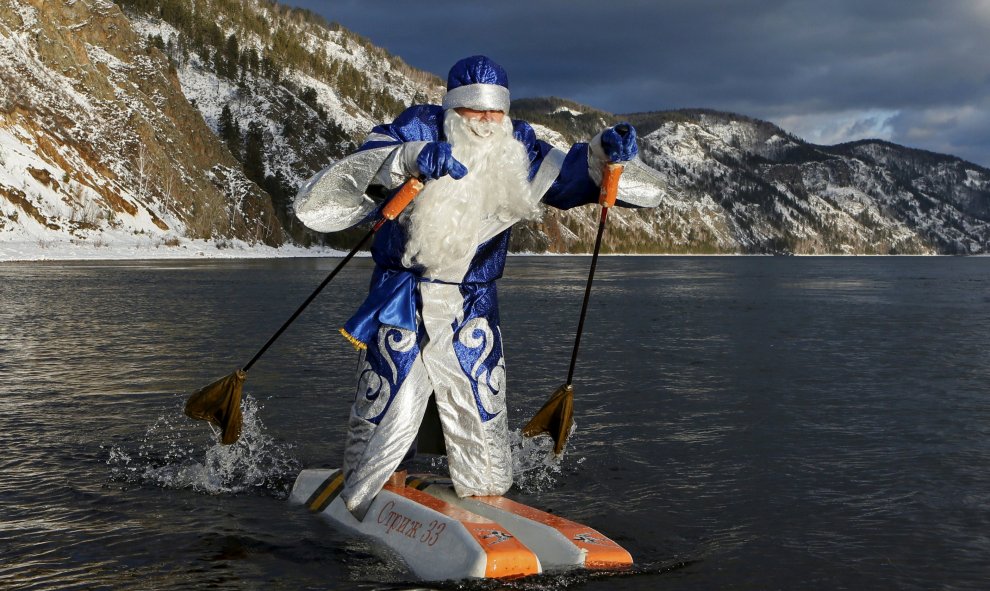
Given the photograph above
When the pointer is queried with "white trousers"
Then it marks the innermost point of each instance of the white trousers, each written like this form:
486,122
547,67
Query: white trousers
459,361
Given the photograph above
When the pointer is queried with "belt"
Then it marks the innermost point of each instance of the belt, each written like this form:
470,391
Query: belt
391,301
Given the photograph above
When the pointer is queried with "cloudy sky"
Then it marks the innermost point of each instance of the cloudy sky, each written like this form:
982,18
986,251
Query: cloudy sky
915,72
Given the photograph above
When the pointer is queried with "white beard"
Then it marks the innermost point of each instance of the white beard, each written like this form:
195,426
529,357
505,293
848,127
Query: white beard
445,222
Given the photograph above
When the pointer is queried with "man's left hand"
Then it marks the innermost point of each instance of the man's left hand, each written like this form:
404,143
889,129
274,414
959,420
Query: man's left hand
619,143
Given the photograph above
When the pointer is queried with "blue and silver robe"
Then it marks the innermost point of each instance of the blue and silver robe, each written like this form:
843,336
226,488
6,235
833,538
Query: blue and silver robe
435,337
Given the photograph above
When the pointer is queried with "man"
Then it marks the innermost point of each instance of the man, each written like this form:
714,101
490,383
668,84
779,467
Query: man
430,325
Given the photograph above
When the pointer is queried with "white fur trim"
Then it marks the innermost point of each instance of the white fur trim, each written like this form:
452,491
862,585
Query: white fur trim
549,170
409,152
480,97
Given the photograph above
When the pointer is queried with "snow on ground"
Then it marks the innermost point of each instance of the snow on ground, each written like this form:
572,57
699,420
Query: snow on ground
151,248
550,136
563,109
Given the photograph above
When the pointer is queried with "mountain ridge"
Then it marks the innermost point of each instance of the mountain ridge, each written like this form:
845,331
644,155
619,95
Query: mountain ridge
174,120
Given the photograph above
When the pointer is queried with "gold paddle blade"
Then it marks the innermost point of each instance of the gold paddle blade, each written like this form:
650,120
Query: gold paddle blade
555,418
220,404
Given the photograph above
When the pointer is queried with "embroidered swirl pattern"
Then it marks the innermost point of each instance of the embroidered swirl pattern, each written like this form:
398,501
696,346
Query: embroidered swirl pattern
488,380
375,391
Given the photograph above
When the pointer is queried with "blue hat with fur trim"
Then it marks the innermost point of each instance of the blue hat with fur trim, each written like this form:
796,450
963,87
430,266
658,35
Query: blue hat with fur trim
477,83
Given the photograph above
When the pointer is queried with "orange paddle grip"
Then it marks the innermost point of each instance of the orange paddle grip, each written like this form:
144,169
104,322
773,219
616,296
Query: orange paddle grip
404,197
610,184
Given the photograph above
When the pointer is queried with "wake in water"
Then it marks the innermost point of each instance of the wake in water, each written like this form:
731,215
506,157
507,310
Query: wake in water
565,579
174,454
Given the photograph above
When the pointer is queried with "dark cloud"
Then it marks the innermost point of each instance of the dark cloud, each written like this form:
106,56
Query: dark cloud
913,70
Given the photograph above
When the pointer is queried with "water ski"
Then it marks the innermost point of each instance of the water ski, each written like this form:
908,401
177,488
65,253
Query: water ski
441,536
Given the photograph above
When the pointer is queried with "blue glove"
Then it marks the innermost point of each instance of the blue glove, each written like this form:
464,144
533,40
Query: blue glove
619,143
436,160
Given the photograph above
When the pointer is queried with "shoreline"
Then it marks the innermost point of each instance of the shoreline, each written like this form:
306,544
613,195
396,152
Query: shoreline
12,252
40,251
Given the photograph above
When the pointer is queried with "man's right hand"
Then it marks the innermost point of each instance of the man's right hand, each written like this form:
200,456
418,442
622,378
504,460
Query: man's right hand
436,160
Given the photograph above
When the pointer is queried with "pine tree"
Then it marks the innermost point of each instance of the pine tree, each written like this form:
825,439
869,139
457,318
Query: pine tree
232,54
254,153
230,131
254,61
276,186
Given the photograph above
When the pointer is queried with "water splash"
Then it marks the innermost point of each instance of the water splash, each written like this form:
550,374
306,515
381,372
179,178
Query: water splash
535,468
173,454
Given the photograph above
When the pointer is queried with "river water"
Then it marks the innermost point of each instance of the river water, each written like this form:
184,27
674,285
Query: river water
743,423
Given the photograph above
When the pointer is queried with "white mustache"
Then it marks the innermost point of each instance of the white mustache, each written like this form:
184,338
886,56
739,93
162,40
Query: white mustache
482,128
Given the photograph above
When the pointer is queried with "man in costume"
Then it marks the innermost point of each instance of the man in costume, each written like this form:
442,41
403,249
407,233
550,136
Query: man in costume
430,325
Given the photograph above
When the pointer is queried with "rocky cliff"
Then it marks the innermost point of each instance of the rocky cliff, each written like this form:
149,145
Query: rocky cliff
99,144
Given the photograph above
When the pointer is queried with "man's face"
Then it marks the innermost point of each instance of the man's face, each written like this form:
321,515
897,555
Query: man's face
493,116
484,124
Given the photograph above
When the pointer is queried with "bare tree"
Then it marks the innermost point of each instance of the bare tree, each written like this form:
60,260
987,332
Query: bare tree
142,166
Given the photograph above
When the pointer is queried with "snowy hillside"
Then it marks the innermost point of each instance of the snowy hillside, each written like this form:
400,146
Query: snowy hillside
112,122
168,124
307,114
773,192
287,91
98,145
742,185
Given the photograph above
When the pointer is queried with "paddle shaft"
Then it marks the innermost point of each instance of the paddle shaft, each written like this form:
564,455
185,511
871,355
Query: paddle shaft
311,297
610,185
587,296
390,211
